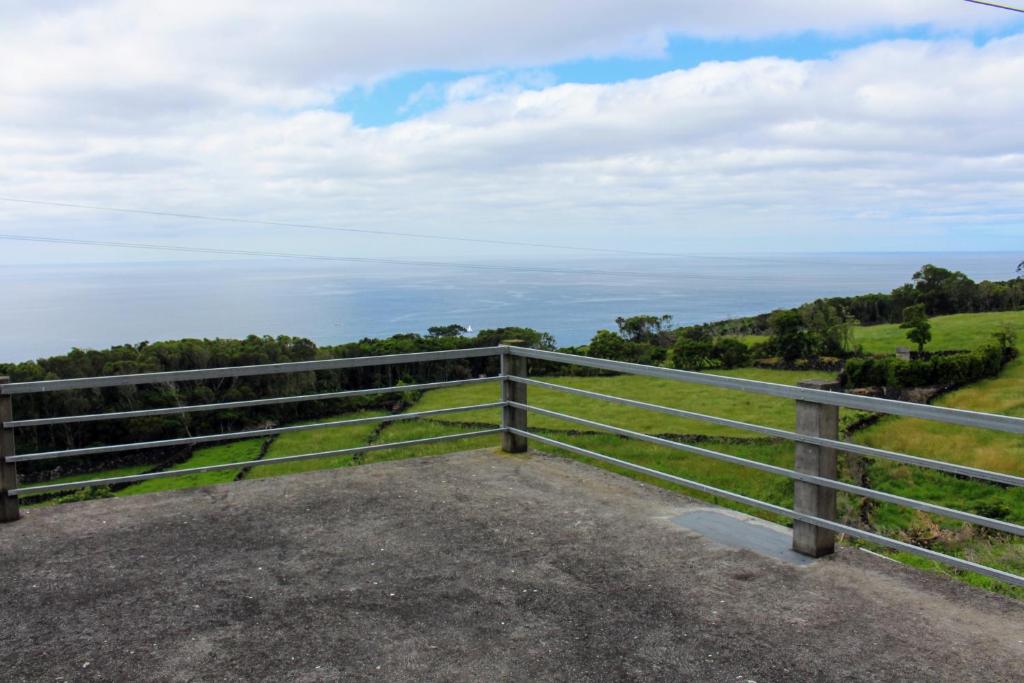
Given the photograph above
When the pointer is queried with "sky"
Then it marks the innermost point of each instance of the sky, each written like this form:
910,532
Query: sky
664,126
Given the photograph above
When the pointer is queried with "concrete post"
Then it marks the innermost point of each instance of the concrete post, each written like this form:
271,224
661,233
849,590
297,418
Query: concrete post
815,419
8,471
513,391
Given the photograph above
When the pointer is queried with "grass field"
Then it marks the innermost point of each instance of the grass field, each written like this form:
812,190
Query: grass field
979,448
949,332
315,441
720,402
996,451
238,451
759,409
103,474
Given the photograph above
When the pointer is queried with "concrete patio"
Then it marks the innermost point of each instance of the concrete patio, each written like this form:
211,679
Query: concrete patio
472,566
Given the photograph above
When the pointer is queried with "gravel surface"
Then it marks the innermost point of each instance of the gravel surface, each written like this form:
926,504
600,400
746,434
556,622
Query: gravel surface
468,567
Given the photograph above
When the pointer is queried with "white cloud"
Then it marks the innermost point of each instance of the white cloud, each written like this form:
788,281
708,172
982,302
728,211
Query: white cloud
166,58
224,108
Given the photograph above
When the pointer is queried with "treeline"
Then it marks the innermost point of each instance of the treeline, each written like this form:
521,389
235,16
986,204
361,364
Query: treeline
196,354
817,332
941,291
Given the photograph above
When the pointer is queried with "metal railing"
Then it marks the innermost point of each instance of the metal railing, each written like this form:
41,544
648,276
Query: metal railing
816,437
11,491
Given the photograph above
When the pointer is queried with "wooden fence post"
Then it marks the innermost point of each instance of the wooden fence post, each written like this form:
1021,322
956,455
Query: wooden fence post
512,417
815,419
8,470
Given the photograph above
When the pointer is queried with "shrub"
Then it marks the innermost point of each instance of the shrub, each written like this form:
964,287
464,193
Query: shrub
947,369
730,353
609,345
789,335
692,354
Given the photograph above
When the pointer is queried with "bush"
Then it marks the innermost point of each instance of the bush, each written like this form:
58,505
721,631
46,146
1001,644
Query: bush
692,354
938,370
611,346
789,336
730,353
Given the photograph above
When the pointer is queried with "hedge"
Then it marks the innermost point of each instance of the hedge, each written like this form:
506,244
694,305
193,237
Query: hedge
938,370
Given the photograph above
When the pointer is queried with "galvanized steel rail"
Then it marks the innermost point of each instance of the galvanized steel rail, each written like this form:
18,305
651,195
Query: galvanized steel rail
10,490
829,524
16,388
49,488
232,405
966,418
248,434
847,446
819,443
824,445
996,524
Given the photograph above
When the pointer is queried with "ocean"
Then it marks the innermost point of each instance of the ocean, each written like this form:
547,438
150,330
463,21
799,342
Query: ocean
49,309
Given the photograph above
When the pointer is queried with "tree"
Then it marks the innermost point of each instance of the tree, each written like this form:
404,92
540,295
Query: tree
788,334
829,328
730,353
915,321
943,291
609,345
528,336
644,328
439,331
689,353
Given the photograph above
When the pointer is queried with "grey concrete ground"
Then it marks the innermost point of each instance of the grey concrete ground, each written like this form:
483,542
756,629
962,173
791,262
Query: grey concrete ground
474,567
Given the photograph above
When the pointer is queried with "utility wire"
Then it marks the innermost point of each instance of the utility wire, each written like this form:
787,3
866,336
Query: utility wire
308,226
996,5
230,219
648,275
321,257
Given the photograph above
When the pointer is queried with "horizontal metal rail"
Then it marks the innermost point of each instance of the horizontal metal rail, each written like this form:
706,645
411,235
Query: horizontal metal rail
232,405
967,418
231,436
857,449
1007,577
835,484
48,488
244,371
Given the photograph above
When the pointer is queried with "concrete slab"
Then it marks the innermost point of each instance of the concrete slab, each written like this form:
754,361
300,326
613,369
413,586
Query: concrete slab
736,530
467,567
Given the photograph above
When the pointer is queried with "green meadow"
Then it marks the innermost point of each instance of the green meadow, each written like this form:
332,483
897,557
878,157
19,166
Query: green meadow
317,441
949,332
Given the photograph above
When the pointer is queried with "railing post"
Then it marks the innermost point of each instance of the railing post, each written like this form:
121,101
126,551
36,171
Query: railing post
512,391
815,419
8,470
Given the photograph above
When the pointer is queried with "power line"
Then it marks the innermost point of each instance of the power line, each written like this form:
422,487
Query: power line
649,275
309,226
319,257
231,219
479,240
996,5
